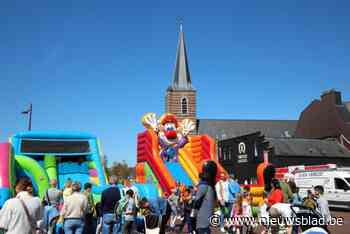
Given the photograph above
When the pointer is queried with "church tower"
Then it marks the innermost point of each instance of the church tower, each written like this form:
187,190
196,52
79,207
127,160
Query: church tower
181,96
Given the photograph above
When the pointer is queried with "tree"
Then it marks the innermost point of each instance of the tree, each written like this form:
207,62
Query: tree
121,170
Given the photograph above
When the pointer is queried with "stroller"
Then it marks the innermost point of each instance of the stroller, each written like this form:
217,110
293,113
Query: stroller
152,223
303,212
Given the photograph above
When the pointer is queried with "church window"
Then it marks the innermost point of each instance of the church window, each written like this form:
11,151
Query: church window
184,105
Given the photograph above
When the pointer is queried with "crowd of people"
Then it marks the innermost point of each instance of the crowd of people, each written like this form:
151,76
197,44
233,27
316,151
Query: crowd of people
186,209
281,201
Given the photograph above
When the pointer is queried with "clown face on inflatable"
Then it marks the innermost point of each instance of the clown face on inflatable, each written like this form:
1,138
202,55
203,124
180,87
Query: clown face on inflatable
172,134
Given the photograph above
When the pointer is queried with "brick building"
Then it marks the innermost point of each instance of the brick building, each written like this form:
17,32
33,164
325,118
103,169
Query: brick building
328,117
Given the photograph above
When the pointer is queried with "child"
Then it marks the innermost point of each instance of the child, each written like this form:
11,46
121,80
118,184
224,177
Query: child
264,214
187,208
246,210
236,212
173,200
310,201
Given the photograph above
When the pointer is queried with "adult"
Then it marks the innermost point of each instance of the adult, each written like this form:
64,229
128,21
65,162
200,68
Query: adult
52,200
67,190
222,194
74,210
204,202
296,198
322,205
22,213
109,201
268,174
276,195
129,213
53,196
287,193
233,189
89,217
281,210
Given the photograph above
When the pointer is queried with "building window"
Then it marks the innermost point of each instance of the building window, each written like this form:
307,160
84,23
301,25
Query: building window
184,106
229,153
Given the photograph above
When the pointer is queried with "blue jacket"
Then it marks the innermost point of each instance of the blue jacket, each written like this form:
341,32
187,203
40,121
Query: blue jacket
233,189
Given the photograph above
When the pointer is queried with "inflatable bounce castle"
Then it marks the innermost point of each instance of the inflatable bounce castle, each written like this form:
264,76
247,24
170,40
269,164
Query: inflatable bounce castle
43,156
167,153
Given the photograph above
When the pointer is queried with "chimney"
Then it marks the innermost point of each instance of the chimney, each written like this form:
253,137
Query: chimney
331,97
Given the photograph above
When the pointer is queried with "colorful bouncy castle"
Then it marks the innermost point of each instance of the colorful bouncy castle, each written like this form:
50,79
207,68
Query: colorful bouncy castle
43,156
168,153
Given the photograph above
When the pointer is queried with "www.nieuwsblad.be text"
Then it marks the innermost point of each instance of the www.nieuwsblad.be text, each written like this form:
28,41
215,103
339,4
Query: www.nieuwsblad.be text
215,221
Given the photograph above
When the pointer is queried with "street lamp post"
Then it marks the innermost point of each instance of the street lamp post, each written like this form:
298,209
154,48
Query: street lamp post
29,113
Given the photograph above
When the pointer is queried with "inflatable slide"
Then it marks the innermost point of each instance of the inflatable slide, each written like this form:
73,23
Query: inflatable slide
171,153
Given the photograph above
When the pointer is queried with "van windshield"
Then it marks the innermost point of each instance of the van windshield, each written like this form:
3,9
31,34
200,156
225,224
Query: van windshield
347,180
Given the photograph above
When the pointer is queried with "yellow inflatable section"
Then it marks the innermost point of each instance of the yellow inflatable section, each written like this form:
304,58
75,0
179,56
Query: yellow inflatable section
185,159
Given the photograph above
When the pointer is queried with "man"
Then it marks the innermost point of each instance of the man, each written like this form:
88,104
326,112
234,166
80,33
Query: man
233,189
287,192
109,201
221,189
74,210
89,217
322,205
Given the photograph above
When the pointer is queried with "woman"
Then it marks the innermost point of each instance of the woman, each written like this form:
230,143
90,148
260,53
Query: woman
22,213
67,191
276,195
205,199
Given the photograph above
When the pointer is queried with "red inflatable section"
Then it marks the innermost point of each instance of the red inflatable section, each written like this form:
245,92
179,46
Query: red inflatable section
148,151
200,149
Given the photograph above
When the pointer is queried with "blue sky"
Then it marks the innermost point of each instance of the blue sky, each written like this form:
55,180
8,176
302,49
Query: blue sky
98,66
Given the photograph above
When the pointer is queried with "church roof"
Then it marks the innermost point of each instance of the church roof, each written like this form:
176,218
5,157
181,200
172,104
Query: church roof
226,128
182,78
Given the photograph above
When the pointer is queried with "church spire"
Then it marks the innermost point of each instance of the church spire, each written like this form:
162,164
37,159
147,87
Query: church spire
182,78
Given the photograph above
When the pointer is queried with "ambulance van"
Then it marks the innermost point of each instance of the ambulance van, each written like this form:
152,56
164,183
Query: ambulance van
336,183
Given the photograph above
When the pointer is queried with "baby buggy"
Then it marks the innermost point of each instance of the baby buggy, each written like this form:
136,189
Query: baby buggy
313,217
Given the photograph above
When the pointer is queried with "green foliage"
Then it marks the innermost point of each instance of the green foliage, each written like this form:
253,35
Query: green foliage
121,170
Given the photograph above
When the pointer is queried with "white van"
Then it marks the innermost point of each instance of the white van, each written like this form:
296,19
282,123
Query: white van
336,184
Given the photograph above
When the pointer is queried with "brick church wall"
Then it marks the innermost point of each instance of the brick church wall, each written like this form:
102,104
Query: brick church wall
173,104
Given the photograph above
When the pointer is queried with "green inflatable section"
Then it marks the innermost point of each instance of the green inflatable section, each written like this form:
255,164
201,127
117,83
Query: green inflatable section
91,164
149,173
50,166
39,175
